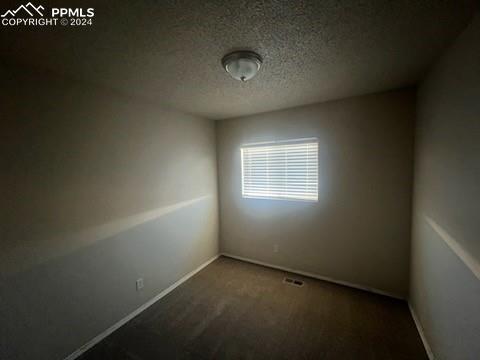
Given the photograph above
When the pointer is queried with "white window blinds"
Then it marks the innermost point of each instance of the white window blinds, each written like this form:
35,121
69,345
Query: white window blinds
281,170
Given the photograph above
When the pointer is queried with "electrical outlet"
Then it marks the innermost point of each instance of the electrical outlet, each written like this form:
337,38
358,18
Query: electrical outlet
139,284
275,248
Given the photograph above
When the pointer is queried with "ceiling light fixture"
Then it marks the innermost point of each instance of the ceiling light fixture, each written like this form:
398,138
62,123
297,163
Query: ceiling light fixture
242,65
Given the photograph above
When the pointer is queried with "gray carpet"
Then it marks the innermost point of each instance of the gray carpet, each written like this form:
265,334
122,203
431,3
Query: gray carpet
236,310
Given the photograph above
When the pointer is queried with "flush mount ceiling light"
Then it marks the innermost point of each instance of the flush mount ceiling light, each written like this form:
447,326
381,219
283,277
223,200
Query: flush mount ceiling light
242,65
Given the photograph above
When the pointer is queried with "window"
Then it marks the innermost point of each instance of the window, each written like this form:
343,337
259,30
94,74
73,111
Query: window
281,170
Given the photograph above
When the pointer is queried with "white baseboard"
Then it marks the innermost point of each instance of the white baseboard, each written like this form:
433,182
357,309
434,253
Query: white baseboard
420,330
316,276
130,316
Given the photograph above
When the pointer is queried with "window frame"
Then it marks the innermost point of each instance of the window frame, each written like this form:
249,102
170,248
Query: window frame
279,143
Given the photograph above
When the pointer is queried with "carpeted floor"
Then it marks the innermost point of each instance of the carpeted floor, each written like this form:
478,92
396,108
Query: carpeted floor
236,310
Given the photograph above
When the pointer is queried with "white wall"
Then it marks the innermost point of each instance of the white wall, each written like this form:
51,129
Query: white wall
445,274
359,231
98,189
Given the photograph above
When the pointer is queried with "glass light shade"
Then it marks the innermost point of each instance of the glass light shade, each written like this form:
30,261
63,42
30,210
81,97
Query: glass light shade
242,65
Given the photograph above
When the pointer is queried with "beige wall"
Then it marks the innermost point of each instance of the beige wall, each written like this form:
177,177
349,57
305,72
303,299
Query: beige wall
359,230
445,275
98,189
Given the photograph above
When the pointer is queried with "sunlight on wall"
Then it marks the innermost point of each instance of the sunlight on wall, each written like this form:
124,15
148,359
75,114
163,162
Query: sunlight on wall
20,258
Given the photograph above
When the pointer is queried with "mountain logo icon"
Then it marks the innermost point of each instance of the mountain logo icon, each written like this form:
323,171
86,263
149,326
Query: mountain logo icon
24,10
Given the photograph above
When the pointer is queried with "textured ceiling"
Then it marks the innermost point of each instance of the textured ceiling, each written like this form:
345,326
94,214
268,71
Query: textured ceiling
169,52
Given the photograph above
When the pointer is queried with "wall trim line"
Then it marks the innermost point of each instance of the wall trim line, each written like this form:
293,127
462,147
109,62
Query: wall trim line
420,330
136,312
315,276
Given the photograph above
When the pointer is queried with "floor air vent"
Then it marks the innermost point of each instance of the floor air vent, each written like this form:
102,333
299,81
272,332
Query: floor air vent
293,282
